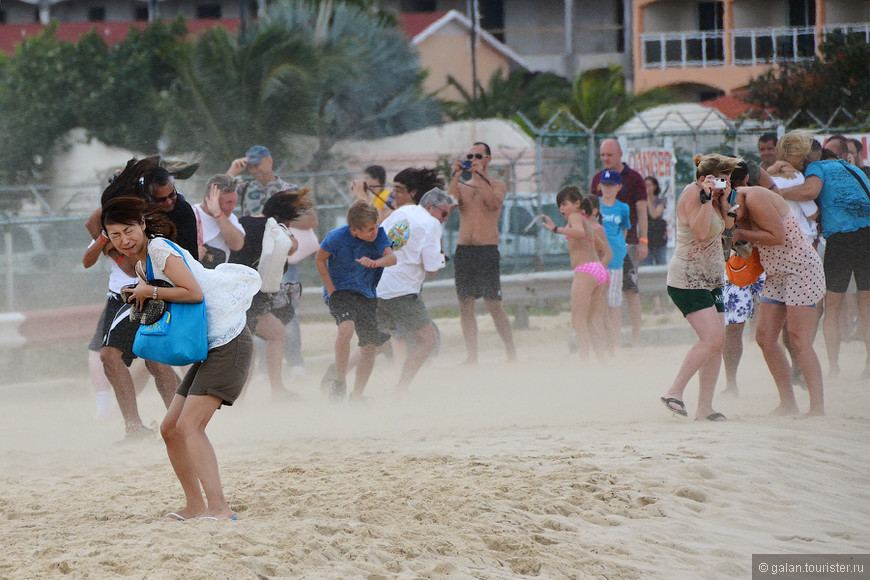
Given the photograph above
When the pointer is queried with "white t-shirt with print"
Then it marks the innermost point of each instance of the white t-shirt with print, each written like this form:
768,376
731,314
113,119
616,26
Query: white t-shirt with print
416,239
211,231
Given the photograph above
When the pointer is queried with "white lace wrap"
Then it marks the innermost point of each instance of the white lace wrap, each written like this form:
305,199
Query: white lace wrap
227,289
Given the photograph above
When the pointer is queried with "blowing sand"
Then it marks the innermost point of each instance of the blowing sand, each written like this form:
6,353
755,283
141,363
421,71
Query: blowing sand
544,468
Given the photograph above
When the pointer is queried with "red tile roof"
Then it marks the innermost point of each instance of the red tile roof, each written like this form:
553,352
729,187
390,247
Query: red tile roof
413,23
112,32
732,106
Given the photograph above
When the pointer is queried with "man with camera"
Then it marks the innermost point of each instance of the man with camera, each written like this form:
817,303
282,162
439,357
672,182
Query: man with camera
633,193
476,260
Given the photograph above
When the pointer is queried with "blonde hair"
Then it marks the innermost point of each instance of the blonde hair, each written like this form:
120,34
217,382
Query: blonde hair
794,144
361,214
714,164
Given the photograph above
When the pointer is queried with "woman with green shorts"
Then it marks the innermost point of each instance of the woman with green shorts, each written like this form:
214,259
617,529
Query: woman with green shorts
695,279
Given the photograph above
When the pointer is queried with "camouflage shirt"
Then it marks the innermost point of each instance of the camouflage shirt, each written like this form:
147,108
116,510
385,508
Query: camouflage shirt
253,194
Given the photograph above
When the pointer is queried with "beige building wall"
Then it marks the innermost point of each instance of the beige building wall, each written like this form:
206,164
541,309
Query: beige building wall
446,54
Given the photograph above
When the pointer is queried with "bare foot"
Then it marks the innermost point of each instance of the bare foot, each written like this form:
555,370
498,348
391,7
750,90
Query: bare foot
784,411
282,395
469,361
731,393
834,372
813,413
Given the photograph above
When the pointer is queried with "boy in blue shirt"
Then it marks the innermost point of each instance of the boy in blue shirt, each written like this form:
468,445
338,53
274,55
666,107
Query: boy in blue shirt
615,219
350,262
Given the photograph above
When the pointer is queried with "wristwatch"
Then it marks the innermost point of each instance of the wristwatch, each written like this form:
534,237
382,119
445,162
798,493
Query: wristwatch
154,294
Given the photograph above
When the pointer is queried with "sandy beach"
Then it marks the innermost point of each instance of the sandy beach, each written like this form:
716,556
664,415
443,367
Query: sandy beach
545,468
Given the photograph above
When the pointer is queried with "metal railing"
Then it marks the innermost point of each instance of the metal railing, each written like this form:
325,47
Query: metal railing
682,49
753,46
749,46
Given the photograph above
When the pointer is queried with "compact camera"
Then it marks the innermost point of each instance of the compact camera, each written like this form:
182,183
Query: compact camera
466,170
720,183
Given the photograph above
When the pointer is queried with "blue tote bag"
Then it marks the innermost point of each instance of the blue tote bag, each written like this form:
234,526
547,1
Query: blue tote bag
179,338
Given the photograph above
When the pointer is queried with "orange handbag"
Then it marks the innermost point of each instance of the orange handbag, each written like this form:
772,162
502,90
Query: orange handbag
744,271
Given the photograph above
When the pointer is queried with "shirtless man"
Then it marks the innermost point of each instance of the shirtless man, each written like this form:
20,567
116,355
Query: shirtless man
476,261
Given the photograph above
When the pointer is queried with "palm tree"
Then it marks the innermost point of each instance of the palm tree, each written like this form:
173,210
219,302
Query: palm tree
600,101
235,92
375,86
297,71
521,91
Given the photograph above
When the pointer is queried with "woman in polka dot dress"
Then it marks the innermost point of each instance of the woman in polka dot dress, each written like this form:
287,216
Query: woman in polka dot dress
792,292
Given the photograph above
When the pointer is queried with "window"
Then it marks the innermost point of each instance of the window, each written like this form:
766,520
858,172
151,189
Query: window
417,6
96,13
710,15
2,16
492,17
801,13
140,12
209,11
620,20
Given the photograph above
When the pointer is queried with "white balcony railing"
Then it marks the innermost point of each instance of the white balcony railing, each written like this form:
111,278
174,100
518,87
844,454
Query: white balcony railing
753,46
749,46
682,49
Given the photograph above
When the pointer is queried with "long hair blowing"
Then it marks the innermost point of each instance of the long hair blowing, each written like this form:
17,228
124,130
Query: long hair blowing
133,210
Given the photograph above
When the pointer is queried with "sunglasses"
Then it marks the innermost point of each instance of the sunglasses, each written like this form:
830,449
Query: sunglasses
471,156
172,195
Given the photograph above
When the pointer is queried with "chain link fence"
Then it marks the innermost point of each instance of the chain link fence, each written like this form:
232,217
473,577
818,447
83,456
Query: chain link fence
42,238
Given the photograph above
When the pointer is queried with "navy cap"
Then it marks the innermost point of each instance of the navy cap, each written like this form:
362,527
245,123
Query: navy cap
256,154
612,177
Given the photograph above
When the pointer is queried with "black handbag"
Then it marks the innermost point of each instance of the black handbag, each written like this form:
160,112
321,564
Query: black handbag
152,309
213,257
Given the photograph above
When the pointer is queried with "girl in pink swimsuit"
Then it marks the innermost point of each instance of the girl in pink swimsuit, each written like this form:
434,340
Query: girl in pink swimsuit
587,250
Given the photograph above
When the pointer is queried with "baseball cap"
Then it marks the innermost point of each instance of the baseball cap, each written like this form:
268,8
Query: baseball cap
612,177
256,154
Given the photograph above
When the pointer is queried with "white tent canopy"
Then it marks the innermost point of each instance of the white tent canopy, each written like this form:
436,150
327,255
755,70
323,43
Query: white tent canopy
682,118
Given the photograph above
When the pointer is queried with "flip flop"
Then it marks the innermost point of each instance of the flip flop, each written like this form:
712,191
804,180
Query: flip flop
675,406
175,516
216,519
718,417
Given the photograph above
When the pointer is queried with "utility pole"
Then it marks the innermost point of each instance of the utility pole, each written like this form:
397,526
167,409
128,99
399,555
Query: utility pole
474,16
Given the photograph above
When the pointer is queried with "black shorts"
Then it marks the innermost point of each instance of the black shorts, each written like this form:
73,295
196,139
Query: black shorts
262,304
406,312
847,254
96,343
689,301
629,270
224,371
120,331
362,311
477,272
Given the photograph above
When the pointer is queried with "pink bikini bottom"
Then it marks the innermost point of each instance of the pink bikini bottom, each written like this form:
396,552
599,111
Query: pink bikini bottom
596,270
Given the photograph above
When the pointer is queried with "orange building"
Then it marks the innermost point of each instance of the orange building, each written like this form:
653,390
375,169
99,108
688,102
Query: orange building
706,48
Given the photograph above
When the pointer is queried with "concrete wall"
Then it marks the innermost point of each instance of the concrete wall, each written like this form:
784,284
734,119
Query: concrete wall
770,14
847,11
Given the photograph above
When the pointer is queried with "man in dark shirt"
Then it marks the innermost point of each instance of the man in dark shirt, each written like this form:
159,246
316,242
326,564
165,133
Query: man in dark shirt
633,193
178,210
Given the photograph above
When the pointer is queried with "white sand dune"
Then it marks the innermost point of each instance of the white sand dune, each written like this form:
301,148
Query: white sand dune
545,468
